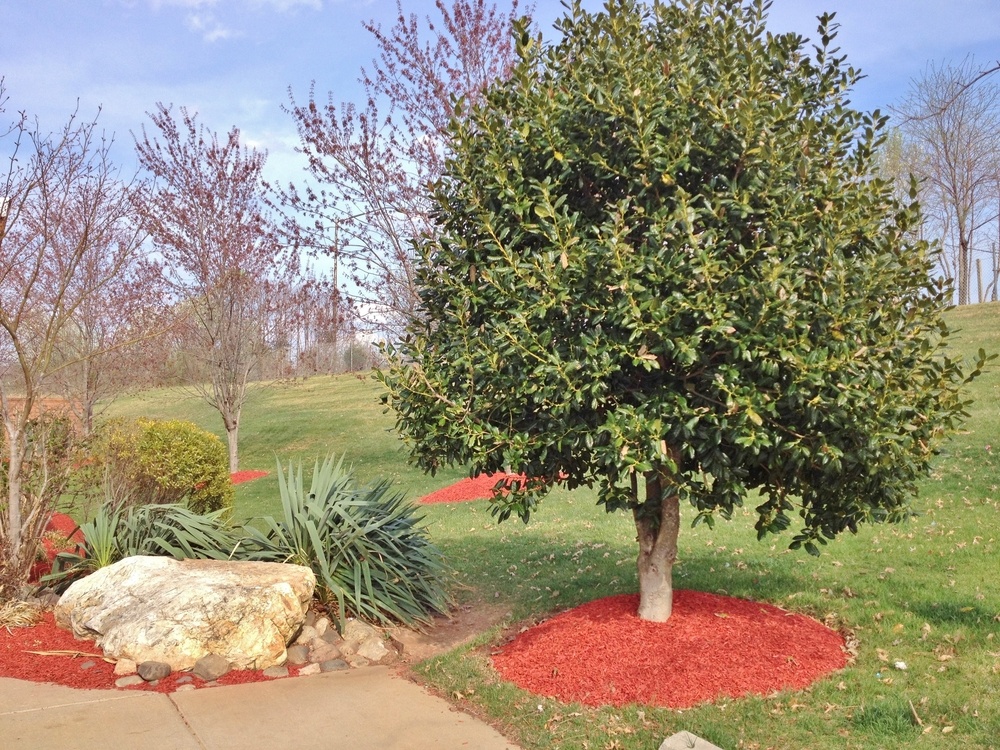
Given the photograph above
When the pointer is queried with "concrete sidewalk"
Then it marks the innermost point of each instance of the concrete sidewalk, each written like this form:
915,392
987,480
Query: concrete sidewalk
355,710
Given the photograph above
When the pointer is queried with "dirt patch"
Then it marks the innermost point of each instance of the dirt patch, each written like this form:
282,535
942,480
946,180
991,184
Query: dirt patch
462,626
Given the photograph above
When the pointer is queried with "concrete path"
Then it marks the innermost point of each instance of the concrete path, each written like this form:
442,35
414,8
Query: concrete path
361,709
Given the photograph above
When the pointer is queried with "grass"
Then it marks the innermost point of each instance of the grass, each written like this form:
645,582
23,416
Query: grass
924,592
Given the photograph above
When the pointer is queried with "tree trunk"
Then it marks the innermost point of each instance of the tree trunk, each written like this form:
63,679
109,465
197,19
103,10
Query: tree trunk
232,438
657,522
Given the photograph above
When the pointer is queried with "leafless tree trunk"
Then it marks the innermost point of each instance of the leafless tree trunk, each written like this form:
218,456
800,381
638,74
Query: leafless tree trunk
61,198
952,130
369,166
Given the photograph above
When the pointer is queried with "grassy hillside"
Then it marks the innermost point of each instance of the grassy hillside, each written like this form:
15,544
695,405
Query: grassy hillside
924,592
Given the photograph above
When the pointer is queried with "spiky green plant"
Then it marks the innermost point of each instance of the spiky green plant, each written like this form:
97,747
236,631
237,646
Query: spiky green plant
170,530
367,546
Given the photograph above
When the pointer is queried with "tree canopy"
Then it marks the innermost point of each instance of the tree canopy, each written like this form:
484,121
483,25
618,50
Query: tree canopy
665,256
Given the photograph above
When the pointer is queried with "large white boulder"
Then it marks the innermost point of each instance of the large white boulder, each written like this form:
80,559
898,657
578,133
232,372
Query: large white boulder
177,611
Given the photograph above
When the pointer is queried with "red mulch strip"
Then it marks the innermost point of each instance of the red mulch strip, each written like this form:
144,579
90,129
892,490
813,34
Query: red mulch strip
480,488
61,536
16,661
246,475
712,646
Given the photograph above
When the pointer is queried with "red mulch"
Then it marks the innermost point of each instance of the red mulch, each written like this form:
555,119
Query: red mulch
712,646
480,488
61,536
246,475
16,661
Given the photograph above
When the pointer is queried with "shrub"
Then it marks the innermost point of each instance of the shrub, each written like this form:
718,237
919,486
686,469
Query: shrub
366,545
117,532
148,461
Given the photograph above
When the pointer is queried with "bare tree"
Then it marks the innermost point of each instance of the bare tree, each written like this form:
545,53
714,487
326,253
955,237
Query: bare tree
369,165
60,198
951,132
207,218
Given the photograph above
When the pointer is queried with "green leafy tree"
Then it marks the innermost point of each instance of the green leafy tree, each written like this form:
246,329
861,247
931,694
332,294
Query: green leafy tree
667,266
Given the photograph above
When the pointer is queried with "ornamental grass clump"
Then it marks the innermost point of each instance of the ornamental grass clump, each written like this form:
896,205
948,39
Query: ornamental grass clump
170,530
367,546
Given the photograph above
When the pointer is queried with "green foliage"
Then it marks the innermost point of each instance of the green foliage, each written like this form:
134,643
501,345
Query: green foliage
160,461
117,532
664,248
370,553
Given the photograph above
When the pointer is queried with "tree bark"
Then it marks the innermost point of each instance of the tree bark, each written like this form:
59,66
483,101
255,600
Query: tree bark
232,438
657,521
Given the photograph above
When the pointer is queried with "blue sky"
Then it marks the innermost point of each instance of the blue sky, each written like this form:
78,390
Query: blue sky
232,61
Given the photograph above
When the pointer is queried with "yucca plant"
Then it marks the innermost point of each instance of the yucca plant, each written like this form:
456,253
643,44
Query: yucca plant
170,530
367,546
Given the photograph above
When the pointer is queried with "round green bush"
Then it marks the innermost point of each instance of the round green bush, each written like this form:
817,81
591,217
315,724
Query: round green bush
146,461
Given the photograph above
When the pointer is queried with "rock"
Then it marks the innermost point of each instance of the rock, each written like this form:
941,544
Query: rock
185,688
686,741
334,665
356,661
322,625
153,670
125,666
311,618
307,634
373,649
88,665
297,654
332,636
323,651
309,669
132,679
275,672
210,667
177,611
358,631
185,679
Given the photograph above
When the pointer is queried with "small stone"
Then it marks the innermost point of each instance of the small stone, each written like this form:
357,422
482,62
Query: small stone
275,672
185,679
322,625
359,631
129,681
125,666
297,654
153,670
307,634
311,618
185,688
323,651
356,661
210,667
88,665
332,636
373,649
309,669
900,665
334,665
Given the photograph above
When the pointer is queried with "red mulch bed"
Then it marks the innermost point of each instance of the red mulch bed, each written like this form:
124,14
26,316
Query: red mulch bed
246,475
89,670
712,646
480,488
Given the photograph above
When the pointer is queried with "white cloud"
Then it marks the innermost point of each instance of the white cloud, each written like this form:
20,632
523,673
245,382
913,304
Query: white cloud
209,27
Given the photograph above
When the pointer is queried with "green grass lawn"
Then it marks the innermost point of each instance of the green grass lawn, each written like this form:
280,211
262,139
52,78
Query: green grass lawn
925,592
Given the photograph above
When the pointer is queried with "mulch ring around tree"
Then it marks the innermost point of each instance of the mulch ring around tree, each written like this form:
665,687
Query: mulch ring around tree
601,653
464,490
